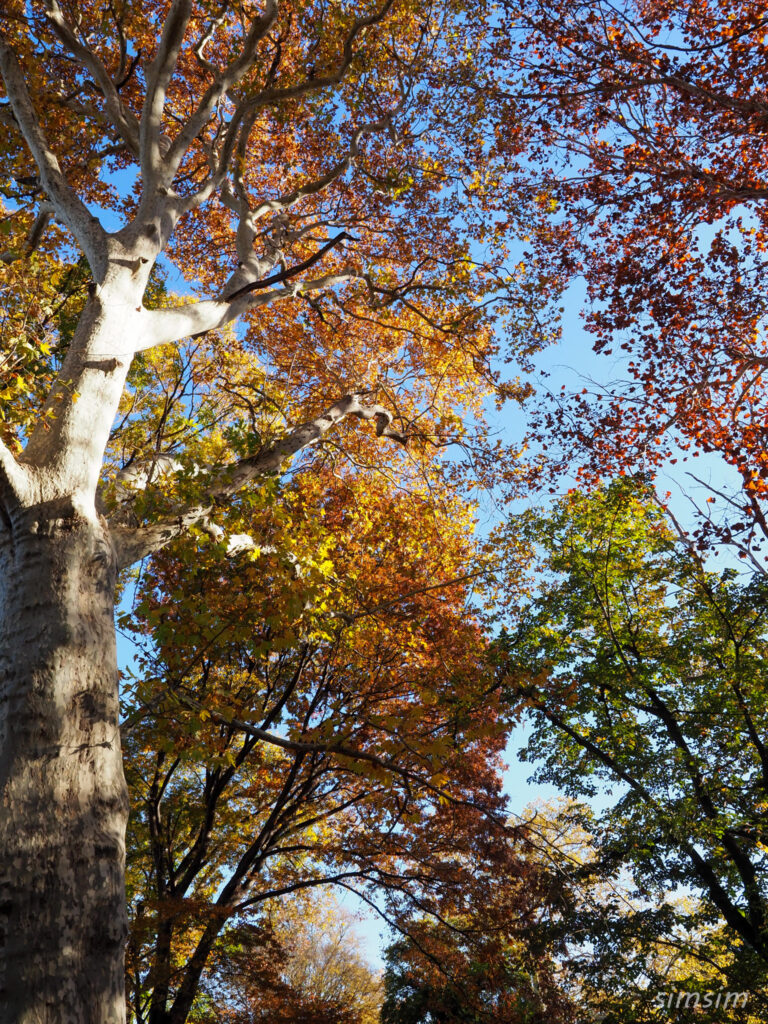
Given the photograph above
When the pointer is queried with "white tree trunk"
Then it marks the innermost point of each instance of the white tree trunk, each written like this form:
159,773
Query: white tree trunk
63,799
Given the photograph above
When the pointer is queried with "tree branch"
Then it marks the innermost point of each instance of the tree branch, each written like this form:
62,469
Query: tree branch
229,78
134,543
230,479
166,326
158,76
124,120
70,209
235,197
295,746
285,202
286,275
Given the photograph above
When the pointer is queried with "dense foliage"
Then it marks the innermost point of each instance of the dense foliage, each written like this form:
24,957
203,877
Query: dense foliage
263,268
642,672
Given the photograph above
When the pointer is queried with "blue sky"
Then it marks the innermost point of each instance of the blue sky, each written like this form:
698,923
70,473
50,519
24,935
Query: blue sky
571,363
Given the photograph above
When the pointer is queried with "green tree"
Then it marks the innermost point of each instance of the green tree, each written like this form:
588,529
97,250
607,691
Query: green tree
643,673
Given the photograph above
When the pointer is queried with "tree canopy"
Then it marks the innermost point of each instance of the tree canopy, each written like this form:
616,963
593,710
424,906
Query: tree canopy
641,671
266,270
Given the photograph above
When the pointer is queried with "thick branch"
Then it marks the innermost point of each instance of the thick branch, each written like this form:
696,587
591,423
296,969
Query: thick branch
159,75
68,206
229,78
122,119
230,479
286,275
133,544
170,325
236,199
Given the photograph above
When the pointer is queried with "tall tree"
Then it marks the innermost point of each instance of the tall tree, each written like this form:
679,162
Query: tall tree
304,165
642,672
319,716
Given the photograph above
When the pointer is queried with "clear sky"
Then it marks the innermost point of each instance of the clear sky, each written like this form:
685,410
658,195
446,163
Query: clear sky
572,363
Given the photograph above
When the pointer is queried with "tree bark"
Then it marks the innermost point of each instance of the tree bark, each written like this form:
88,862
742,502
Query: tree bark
63,798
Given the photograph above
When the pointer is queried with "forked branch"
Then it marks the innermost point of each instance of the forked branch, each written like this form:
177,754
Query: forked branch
69,208
122,119
170,325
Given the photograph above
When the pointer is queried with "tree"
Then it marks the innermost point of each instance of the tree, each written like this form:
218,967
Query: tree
326,964
323,977
641,671
625,952
489,956
638,128
317,716
445,980
303,165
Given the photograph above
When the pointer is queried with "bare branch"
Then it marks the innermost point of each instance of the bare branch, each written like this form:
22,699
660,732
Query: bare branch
231,479
123,119
69,207
286,275
301,747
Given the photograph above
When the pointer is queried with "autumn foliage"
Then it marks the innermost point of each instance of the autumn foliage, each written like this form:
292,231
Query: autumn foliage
266,268
251,290
637,132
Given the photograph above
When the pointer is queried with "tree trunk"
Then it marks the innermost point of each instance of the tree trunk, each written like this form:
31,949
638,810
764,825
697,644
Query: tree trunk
63,799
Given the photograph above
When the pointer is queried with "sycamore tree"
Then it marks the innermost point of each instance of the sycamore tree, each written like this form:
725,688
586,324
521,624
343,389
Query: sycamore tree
312,170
